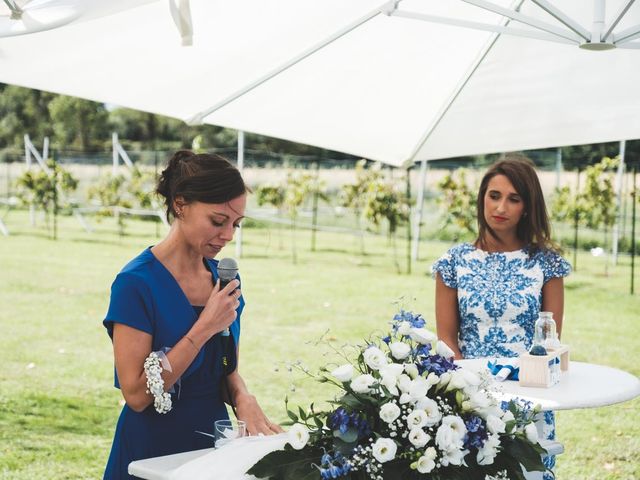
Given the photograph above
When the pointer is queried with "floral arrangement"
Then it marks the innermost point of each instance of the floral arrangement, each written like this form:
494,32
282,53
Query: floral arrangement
405,410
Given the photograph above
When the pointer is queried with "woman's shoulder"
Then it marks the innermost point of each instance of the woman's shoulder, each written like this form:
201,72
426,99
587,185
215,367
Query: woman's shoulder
459,250
139,267
552,262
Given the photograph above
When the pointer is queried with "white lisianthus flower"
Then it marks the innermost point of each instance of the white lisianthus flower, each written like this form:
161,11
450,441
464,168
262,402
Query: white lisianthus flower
404,328
411,370
343,373
389,382
431,409
389,412
399,350
419,388
458,381
495,424
391,370
404,398
508,417
444,350
384,450
298,436
374,358
422,335
489,450
454,456
433,378
480,400
456,424
404,383
531,432
362,383
444,379
416,419
418,437
426,463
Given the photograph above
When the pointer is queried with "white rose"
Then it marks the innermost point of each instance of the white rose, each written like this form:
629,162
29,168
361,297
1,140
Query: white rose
374,358
411,370
418,437
344,373
495,424
404,383
417,418
399,350
531,432
404,328
391,370
444,350
298,436
456,424
389,412
489,450
425,465
362,383
422,335
419,388
384,450
431,409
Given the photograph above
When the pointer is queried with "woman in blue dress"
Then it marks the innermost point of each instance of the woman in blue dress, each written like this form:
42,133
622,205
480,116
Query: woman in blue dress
489,293
168,300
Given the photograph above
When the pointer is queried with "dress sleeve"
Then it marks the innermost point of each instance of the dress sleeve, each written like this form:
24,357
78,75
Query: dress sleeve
554,266
130,304
446,267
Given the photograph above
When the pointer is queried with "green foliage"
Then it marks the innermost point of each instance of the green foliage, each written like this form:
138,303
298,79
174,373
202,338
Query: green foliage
23,110
385,201
78,123
270,194
458,204
46,189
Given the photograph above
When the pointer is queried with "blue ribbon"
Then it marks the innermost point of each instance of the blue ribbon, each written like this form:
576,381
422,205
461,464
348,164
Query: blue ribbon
495,367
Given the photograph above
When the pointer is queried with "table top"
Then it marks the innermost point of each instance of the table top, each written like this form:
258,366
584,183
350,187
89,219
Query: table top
584,385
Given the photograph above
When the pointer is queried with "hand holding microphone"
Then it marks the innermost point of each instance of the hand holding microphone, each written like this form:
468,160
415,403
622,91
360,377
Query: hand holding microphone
227,273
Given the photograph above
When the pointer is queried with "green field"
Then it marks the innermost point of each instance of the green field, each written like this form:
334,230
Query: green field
57,405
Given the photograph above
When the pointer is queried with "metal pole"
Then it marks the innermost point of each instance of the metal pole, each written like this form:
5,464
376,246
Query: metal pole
558,167
408,177
615,234
576,217
419,210
314,215
634,199
114,155
241,168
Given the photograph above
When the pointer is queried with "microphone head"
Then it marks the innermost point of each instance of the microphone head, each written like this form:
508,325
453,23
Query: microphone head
227,269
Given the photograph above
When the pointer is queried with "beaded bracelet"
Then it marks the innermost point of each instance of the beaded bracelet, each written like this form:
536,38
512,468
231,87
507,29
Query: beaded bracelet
155,383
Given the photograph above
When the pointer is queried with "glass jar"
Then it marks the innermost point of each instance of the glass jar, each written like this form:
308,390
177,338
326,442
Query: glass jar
545,331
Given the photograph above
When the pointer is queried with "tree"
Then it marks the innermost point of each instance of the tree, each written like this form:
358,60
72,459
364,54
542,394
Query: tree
23,110
45,189
458,203
78,123
274,195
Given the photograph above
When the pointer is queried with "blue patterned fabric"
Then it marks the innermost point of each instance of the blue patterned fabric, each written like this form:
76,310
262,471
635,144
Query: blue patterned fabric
499,298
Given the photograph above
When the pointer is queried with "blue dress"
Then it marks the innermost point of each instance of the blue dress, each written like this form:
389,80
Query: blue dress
499,298
147,297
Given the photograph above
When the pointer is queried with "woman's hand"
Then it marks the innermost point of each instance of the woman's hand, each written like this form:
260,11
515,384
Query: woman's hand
220,309
256,421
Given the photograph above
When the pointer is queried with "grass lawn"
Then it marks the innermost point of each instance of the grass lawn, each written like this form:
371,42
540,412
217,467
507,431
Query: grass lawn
57,405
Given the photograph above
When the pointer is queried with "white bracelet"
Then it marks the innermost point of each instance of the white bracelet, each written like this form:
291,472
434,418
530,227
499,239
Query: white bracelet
155,383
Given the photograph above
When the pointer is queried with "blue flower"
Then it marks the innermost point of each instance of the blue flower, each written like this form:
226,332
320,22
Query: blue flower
476,432
436,364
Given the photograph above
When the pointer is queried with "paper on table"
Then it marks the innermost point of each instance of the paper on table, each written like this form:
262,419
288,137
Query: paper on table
231,460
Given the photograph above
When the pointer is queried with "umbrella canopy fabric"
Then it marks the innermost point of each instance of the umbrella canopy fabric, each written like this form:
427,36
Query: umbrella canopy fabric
391,81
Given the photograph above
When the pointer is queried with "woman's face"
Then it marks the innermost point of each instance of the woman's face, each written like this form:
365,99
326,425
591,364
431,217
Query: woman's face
503,206
208,227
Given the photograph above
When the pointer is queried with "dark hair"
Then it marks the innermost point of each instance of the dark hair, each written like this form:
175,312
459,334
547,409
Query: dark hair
199,177
534,227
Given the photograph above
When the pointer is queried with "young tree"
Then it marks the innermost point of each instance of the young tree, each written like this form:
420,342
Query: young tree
458,203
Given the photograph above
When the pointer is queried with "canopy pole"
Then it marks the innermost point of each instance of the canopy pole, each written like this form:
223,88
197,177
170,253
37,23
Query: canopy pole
16,11
615,234
240,168
624,8
558,167
419,210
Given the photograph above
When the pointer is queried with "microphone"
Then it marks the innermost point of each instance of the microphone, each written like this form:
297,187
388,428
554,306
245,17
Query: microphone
227,271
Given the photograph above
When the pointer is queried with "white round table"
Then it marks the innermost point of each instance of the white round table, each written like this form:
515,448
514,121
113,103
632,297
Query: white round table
583,385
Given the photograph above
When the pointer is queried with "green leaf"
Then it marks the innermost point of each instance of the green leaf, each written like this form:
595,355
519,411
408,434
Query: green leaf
289,464
350,436
526,454
292,416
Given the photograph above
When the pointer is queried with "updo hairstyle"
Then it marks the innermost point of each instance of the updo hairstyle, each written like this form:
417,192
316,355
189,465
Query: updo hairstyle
199,177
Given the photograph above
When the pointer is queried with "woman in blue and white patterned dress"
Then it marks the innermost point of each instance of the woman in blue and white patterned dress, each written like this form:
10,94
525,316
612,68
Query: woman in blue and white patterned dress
489,293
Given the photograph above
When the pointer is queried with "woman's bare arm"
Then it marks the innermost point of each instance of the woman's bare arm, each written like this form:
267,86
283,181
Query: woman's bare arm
447,316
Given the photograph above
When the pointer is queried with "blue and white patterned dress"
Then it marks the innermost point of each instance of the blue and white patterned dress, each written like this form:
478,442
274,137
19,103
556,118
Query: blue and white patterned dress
499,298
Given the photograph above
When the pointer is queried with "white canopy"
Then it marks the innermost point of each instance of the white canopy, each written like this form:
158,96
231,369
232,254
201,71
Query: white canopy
391,81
